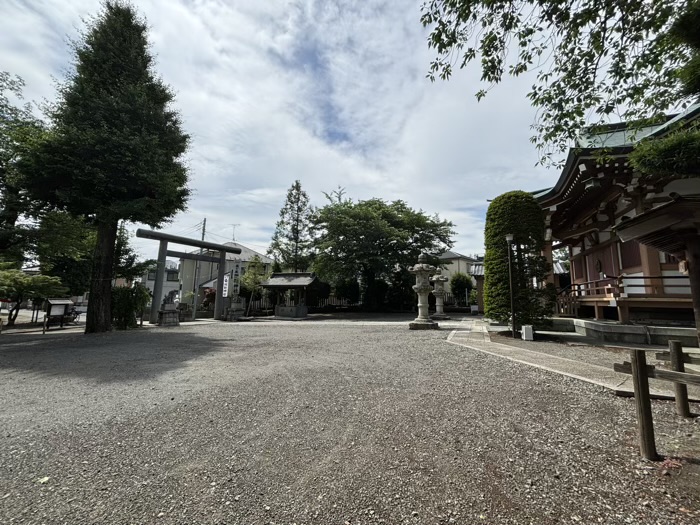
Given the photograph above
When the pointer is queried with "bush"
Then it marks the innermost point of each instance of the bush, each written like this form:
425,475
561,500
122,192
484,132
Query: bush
400,295
126,303
460,285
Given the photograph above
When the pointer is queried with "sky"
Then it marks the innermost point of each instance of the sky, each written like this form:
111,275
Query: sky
332,93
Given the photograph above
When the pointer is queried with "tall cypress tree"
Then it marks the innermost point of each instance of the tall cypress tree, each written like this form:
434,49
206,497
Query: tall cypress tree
291,242
516,213
115,150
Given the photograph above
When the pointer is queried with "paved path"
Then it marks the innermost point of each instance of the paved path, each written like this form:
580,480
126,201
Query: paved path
474,335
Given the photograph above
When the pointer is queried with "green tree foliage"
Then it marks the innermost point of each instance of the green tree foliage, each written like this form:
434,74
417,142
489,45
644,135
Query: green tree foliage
115,148
593,59
126,260
320,291
251,282
517,213
685,32
291,242
348,289
372,239
64,247
400,295
18,286
461,285
252,279
127,302
678,155
18,128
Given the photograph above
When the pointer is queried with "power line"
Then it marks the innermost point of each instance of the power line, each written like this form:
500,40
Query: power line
189,230
217,235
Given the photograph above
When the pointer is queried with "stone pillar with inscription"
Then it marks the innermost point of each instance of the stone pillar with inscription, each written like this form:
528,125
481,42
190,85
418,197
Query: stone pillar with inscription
439,281
422,270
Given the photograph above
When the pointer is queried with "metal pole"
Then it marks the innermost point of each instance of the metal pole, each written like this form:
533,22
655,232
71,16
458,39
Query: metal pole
512,301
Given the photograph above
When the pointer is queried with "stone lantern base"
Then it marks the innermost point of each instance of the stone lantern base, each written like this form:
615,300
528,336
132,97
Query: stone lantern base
420,324
440,317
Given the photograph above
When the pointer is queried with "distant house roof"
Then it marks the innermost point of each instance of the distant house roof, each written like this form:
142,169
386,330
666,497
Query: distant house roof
449,254
246,254
32,270
290,280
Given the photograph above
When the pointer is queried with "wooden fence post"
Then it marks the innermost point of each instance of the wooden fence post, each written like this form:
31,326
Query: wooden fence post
640,380
681,390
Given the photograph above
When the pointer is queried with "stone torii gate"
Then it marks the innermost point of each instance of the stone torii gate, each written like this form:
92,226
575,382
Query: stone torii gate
163,251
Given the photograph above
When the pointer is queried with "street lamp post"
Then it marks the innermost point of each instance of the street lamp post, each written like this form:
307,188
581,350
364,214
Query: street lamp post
509,241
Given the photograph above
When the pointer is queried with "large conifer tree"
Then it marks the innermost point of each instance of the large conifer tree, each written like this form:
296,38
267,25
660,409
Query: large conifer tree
291,242
116,146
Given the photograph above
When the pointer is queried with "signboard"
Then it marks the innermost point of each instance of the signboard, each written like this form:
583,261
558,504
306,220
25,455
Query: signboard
236,283
225,292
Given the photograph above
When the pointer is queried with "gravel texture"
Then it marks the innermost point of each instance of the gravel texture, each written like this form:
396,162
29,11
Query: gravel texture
323,423
602,354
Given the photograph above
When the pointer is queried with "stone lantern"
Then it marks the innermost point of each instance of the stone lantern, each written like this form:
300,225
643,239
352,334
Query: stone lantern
439,281
423,270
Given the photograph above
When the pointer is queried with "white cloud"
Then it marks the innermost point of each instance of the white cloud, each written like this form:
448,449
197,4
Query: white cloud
331,93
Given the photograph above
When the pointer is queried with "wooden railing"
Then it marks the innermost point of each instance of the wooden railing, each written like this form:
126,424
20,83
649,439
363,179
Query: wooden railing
650,285
641,372
567,305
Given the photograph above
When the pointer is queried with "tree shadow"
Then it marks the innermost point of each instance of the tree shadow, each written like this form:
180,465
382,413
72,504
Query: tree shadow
109,357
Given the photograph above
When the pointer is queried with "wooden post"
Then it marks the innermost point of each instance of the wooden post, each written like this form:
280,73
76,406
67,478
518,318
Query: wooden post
692,255
640,380
681,390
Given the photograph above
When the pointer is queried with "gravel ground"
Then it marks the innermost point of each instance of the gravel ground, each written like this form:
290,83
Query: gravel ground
256,423
600,355
597,355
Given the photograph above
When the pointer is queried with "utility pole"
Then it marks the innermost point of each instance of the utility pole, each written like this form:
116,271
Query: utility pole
233,236
195,285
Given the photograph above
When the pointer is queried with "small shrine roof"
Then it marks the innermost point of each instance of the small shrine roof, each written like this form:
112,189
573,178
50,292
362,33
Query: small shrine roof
290,280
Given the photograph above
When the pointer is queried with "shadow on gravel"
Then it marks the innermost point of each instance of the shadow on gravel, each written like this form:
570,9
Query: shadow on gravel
112,357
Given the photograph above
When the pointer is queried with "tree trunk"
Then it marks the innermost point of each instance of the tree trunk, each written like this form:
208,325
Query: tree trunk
12,314
99,312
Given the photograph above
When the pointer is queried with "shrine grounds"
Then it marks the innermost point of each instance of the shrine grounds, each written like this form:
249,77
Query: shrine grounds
327,422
